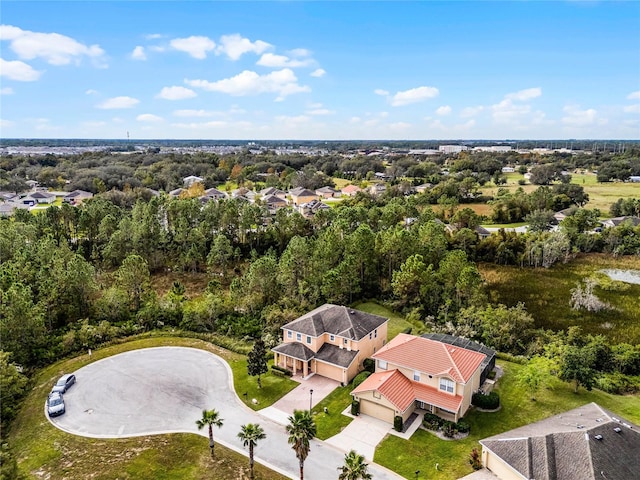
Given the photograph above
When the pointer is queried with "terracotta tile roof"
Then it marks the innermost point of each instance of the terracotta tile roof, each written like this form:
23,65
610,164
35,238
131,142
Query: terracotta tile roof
351,189
431,357
402,392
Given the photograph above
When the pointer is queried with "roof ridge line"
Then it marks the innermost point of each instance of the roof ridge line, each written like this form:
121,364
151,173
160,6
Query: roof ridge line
455,367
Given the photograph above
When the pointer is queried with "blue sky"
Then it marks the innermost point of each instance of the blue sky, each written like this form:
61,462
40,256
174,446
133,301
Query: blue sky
320,70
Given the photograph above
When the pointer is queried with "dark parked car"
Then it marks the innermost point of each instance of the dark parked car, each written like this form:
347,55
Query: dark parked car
64,383
55,404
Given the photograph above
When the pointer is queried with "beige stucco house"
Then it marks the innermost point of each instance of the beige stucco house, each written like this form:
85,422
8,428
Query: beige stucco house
586,443
302,195
420,373
332,341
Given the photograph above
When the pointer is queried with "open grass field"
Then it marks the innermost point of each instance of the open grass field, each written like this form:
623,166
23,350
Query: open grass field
424,450
397,322
43,451
601,195
546,294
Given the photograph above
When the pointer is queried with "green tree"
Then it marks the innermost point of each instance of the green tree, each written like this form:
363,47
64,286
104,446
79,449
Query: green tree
576,365
539,220
210,418
133,277
250,434
301,429
354,467
535,374
257,360
13,386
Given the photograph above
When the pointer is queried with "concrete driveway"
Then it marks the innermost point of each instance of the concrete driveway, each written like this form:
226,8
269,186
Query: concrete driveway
363,435
164,390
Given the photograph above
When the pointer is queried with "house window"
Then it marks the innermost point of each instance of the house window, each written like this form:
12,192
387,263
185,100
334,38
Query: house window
416,375
370,335
382,364
298,336
308,339
332,338
289,334
376,394
345,341
446,385
375,333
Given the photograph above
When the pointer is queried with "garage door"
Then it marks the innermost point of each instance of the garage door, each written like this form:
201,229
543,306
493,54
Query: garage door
377,411
329,371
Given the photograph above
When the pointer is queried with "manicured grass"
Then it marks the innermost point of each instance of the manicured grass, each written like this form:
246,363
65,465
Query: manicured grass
44,451
273,388
424,450
332,423
397,322
546,294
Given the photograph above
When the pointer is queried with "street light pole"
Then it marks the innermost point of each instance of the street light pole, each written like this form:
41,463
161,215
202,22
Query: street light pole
310,399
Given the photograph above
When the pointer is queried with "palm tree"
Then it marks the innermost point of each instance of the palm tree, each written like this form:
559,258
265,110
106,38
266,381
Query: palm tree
354,467
301,430
210,418
250,434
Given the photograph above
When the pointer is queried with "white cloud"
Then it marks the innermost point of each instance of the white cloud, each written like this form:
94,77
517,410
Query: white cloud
54,48
139,53
6,91
153,36
379,91
524,95
279,61
300,52
5,123
234,46
176,93
632,108
506,111
320,111
414,95
17,70
319,72
444,110
149,117
196,46
193,113
118,102
634,95
283,82
579,118
91,92
471,111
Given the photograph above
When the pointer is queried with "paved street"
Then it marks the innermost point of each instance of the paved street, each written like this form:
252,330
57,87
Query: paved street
165,389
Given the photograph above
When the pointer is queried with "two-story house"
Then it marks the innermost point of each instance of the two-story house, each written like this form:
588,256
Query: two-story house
301,195
420,373
332,341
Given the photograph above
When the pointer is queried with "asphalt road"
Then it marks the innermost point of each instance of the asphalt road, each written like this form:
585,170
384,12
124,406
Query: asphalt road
164,390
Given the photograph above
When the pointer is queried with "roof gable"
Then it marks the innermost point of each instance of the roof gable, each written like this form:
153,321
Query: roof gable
432,357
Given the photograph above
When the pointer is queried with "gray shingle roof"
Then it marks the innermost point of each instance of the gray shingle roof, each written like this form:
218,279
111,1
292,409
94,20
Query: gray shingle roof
295,350
578,444
337,320
335,355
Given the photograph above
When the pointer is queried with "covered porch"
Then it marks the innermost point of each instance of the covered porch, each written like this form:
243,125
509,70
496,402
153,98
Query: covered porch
294,357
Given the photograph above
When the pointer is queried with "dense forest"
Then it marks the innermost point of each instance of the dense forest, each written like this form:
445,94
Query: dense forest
75,277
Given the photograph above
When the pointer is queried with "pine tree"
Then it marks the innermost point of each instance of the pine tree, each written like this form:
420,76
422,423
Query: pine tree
257,360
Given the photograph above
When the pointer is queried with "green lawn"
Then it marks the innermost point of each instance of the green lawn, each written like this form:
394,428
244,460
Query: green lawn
44,451
424,450
397,322
332,422
546,294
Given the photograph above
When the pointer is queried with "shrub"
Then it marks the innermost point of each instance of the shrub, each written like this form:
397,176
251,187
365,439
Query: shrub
369,365
618,383
407,330
278,370
463,427
490,401
448,429
355,407
474,459
432,422
361,377
398,423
